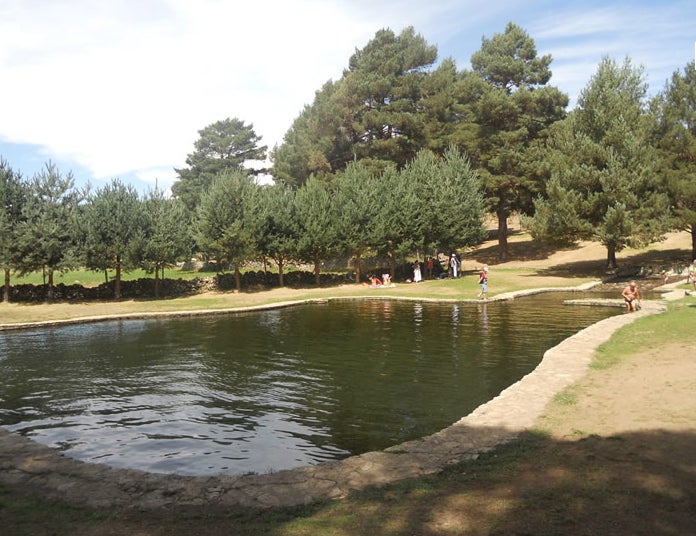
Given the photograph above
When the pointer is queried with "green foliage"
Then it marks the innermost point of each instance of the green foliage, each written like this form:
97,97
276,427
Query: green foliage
13,194
46,233
275,225
168,238
512,109
449,205
509,61
358,197
675,137
371,114
603,182
223,231
114,224
389,105
432,203
225,145
316,222
315,144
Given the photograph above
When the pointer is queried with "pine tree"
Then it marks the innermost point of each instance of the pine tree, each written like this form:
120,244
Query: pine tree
12,199
604,184
675,136
46,234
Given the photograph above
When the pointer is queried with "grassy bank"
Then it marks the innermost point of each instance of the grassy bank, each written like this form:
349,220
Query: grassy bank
651,333
466,287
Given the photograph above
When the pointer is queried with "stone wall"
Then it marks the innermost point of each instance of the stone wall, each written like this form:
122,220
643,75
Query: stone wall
170,288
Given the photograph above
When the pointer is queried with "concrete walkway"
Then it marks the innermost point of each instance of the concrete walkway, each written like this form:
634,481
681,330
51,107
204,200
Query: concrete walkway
516,409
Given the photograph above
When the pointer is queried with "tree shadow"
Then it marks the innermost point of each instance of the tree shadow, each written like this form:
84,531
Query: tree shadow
634,483
629,484
643,265
523,250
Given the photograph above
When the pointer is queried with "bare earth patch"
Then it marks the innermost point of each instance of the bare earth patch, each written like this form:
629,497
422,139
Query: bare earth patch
652,390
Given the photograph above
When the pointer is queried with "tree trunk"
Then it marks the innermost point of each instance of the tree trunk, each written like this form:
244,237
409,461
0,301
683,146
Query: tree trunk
237,278
281,281
49,293
106,276
357,267
392,264
117,282
6,292
611,257
317,271
693,242
502,235
157,282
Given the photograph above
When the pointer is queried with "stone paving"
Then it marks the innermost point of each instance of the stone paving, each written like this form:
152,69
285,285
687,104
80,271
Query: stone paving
27,463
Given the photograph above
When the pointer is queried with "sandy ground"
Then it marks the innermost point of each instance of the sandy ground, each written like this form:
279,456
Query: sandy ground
651,390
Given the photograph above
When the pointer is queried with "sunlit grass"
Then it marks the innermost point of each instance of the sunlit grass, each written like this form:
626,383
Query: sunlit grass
649,332
92,278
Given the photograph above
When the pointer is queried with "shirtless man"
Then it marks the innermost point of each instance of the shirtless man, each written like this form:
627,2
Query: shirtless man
631,295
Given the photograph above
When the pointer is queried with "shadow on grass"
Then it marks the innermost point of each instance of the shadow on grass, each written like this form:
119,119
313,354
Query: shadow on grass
644,265
635,483
647,263
526,250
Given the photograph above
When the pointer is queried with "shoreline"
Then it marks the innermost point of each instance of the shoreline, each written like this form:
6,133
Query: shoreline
278,305
515,409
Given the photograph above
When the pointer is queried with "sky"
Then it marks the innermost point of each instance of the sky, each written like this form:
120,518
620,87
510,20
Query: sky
109,89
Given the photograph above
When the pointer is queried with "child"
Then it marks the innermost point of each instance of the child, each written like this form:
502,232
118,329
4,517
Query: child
483,281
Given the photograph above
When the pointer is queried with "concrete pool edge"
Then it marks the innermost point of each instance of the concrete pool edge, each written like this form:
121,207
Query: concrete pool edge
514,410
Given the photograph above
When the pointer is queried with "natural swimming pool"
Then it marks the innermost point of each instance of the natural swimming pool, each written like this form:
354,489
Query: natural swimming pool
271,390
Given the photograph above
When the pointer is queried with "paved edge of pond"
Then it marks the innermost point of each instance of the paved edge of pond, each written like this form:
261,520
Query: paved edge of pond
55,476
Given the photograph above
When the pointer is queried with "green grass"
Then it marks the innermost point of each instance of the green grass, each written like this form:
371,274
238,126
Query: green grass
502,280
567,397
649,332
91,278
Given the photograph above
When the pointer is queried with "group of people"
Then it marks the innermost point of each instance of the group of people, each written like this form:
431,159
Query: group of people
376,282
454,265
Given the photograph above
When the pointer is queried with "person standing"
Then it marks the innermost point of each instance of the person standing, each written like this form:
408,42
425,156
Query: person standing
417,272
483,281
454,265
430,264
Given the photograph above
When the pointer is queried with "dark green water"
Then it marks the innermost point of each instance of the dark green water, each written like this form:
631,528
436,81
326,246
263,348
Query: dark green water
271,390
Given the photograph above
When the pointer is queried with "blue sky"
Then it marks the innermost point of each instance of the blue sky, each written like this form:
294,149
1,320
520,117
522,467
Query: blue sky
121,88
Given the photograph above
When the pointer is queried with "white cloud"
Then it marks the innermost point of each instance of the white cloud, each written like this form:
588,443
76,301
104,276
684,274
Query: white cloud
122,87
119,90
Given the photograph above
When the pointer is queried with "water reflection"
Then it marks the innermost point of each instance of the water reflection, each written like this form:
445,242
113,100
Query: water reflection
270,390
